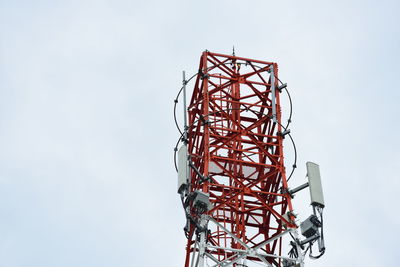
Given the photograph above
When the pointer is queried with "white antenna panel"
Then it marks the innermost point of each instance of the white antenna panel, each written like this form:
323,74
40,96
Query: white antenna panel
314,181
182,168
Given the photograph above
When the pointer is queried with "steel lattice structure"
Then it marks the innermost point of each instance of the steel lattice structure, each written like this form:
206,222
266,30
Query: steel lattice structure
235,149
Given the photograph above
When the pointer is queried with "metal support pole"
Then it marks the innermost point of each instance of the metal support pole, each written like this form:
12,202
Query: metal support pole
299,249
297,189
321,245
273,97
202,243
184,104
185,127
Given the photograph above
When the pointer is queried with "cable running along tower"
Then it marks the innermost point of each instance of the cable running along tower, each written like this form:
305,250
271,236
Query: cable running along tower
231,170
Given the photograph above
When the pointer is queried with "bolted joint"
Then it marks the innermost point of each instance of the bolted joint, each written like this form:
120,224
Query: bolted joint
202,75
281,87
206,122
284,133
205,179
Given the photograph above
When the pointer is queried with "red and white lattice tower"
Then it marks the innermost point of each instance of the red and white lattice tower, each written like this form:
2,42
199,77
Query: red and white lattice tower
236,196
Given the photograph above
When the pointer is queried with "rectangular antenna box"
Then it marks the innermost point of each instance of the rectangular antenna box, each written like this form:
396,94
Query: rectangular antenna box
182,167
314,181
308,227
202,199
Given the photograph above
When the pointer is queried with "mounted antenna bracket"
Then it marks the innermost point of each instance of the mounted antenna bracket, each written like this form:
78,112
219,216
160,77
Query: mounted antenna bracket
287,216
297,189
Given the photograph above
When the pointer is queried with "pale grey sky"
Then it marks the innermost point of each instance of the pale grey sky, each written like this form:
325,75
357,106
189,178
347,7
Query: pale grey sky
86,129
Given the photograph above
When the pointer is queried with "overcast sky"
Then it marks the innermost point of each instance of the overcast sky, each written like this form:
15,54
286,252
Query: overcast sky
86,129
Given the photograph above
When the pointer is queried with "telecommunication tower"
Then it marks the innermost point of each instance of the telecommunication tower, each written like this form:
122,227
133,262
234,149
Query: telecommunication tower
231,171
